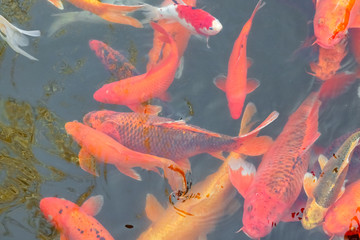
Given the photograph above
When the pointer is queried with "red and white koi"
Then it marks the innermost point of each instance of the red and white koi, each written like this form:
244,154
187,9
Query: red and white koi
196,20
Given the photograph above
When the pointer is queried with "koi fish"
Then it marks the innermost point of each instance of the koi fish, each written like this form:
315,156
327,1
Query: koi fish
235,85
114,61
133,91
329,61
278,180
170,139
74,222
105,149
196,20
323,192
16,38
197,212
179,33
332,20
344,212
109,12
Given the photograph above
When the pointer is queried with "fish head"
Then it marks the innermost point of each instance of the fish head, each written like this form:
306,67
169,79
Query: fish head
313,214
259,215
55,210
73,128
97,46
214,28
107,94
328,30
335,223
95,119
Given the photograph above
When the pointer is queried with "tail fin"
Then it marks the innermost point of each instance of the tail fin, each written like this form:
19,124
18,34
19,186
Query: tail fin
151,13
57,3
117,14
337,85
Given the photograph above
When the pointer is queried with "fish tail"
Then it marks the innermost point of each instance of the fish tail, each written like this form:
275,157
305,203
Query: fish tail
337,85
151,13
117,14
57,3
251,145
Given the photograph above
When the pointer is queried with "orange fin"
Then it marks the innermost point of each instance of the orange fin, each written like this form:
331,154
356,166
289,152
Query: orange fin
249,62
337,85
93,205
128,172
252,84
310,182
117,14
63,237
153,208
218,155
241,174
57,3
165,35
272,117
255,146
148,109
220,82
87,162
249,112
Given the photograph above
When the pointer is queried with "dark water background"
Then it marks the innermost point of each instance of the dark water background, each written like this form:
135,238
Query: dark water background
38,159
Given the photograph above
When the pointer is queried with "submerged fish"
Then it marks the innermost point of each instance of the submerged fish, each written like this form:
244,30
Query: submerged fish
194,19
278,180
322,193
195,215
236,85
344,213
115,62
105,149
74,222
136,90
110,12
15,37
167,138
332,20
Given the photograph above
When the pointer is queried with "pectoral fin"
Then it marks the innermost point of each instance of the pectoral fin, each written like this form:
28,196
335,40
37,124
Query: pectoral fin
153,208
310,182
93,205
128,172
220,82
87,162
241,174
322,161
252,84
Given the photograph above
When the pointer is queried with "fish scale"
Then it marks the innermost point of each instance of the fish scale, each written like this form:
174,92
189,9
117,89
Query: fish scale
278,180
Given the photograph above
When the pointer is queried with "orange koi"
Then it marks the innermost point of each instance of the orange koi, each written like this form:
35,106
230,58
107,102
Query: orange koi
197,212
332,20
329,61
105,149
170,139
236,85
278,180
179,33
74,222
342,215
110,12
133,91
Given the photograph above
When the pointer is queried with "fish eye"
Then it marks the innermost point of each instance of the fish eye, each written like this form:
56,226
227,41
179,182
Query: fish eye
211,28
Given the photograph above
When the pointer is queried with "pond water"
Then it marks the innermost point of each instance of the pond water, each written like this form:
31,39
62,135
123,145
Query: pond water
38,159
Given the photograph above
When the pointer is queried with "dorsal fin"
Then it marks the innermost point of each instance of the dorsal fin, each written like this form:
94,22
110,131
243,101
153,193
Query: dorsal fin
310,182
93,205
322,161
153,208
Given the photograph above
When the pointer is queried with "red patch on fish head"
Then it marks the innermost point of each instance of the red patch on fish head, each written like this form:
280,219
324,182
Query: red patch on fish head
202,22
258,216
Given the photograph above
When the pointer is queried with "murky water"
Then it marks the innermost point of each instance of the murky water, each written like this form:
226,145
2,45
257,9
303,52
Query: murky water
38,159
